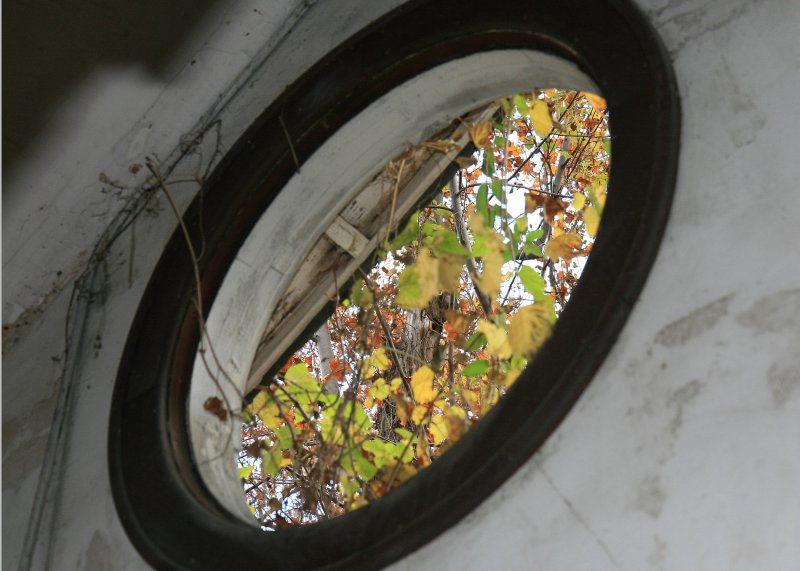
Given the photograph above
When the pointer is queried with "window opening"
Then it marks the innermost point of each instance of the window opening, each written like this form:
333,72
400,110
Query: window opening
457,299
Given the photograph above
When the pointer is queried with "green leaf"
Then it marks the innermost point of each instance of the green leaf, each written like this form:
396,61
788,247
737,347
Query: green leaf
536,234
365,468
285,440
270,461
482,201
475,342
533,282
346,462
488,161
379,449
477,367
301,385
409,290
480,246
403,433
497,190
522,105
447,241
530,246
403,452
408,234
496,212
430,228
360,419
299,376
517,362
533,250
361,295
245,471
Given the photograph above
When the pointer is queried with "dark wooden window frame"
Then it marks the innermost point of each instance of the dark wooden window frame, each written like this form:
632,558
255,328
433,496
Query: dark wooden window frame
168,514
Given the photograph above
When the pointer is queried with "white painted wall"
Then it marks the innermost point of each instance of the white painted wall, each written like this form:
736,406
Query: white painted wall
684,453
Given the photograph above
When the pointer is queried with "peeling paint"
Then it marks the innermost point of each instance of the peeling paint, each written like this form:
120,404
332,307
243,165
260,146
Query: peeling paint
679,399
100,554
25,441
23,460
775,313
658,554
690,326
783,378
650,496
687,21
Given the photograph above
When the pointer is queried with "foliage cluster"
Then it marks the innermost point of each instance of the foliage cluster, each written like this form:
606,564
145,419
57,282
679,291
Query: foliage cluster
456,304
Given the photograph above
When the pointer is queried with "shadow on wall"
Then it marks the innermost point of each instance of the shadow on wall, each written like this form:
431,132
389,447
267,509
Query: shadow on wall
48,46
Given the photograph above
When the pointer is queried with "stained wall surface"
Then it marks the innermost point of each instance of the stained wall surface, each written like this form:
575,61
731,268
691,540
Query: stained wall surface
684,453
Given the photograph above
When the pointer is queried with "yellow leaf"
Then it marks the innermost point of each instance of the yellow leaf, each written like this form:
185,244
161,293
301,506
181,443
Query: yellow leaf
489,397
379,389
358,502
496,339
578,201
419,414
449,271
458,321
379,359
597,102
592,220
476,222
456,423
491,275
265,408
438,429
402,409
510,377
395,384
529,329
423,453
481,134
541,121
600,191
418,282
566,246
471,397
597,194
531,204
422,385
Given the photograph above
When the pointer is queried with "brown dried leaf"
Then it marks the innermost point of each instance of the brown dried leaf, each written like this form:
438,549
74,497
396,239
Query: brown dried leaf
566,246
481,134
465,162
215,406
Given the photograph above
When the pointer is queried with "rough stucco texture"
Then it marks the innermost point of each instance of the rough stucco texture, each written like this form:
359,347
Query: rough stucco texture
684,453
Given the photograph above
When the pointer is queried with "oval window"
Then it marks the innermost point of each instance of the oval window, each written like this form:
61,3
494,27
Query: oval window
286,185
454,303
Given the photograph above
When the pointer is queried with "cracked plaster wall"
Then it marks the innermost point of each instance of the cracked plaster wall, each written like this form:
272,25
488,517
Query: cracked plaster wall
684,453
